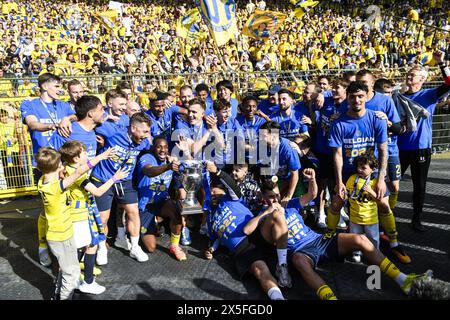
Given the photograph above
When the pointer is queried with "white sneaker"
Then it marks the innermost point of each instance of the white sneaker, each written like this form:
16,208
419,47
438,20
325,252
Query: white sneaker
92,288
137,253
322,221
44,257
102,256
344,214
123,243
341,224
356,258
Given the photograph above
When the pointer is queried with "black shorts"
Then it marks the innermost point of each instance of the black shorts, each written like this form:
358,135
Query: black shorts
123,192
251,249
326,169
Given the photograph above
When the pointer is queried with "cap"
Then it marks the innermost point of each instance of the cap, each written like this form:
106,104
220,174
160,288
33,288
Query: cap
274,88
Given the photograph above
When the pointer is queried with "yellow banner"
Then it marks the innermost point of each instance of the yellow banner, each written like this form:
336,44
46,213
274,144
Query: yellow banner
263,24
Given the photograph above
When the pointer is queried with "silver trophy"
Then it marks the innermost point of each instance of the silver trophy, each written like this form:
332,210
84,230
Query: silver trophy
191,171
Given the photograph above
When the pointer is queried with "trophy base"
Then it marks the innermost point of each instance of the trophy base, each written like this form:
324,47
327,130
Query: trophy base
188,210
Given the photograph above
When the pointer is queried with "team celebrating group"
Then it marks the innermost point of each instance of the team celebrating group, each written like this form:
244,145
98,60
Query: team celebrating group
265,163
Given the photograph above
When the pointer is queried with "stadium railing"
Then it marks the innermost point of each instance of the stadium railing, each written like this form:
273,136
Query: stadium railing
16,172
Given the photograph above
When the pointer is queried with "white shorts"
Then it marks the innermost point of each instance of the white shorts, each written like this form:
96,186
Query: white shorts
82,234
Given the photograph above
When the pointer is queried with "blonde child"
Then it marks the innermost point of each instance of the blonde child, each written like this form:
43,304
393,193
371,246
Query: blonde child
59,231
87,226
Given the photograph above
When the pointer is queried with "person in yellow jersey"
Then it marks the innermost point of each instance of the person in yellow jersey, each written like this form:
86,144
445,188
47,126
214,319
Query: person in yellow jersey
59,232
362,201
87,226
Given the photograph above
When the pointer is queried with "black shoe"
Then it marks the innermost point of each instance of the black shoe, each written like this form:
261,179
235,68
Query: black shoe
417,225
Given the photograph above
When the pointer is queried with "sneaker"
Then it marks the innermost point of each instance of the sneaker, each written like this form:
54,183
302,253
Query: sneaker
341,224
123,243
102,256
204,229
384,238
97,271
178,253
92,288
137,253
344,214
401,255
284,278
322,224
356,257
44,258
417,225
410,278
185,236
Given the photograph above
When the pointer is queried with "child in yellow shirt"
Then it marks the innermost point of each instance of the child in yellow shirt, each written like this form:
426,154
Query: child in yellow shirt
59,234
87,226
361,197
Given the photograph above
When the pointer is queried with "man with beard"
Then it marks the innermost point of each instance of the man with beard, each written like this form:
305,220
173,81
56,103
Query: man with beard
155,173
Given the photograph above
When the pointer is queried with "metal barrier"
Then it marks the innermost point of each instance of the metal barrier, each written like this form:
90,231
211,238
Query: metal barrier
16,172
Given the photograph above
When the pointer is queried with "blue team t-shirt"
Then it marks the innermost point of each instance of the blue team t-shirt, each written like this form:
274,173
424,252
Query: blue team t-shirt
299,234
384,103
323,124
290,125
233,136
152,189
80,134
357,136
284,160
422,137
49,113
251,127
162,125
126,152
227,222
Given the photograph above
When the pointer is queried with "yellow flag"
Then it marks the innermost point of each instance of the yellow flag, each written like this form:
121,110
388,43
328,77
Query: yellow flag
263,24
107,18
220,17
188,23
303,7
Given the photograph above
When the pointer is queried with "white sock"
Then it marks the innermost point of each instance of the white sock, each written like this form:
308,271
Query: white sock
400,279
393,244
102,245
134,241
275,294
282,256
121,232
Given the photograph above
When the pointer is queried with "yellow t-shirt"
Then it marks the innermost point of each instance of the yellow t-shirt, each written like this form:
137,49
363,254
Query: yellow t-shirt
79,197
363,210
57,210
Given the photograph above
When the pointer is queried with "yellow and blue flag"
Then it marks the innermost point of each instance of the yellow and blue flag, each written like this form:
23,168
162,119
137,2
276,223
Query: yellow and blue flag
220,17
263,24
187,25
302,7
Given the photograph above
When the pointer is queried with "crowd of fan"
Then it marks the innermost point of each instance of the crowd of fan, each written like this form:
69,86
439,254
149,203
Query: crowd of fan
66,39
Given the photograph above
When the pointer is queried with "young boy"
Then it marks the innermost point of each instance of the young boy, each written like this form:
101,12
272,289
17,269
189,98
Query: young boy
363,201
59,233
251,194
87,226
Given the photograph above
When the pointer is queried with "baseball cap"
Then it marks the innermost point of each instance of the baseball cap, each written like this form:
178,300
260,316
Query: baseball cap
274,88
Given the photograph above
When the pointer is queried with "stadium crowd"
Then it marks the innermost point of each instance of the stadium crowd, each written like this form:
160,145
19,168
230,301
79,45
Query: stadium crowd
330,152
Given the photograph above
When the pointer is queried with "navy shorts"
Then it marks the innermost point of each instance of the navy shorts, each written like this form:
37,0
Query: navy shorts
323,248
393,168
148,217
123,192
